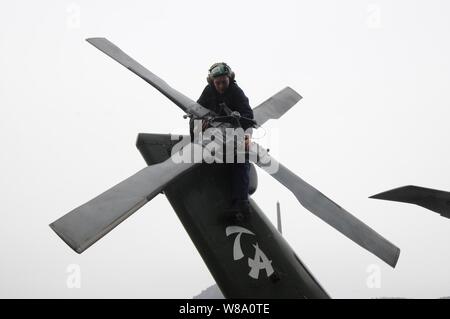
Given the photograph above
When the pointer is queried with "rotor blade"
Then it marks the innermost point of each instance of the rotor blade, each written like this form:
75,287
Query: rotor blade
185,103
86,224
276,106
432,199
326,209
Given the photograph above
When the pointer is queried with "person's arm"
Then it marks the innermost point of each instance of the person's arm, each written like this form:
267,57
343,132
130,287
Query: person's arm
203,97
202,100
242,105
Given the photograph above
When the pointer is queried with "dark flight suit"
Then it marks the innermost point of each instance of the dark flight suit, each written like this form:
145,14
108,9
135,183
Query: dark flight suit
236,100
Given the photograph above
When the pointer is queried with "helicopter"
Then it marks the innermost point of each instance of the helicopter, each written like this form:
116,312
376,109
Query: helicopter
435,200
248,258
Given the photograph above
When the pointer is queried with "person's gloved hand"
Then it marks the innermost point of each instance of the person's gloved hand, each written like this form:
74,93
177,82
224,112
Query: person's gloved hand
204,124
247,141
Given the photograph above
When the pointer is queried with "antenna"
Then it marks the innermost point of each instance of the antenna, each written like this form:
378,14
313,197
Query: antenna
279,218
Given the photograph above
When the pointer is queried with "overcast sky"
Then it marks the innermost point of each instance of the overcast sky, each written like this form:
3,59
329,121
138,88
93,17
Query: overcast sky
375,77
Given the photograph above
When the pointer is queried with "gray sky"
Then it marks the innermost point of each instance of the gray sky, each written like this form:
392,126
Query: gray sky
374,76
